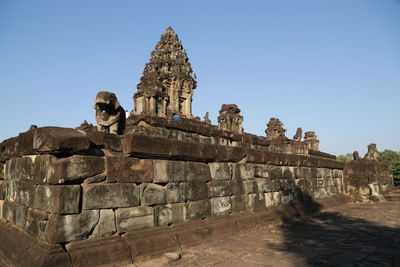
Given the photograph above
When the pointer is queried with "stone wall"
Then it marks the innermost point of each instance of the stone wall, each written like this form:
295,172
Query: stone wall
60,185
366,177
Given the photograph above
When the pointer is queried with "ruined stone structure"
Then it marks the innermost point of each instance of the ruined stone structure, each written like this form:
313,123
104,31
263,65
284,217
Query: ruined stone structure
275,130
166,87
229,118
311,140
90,197
372,153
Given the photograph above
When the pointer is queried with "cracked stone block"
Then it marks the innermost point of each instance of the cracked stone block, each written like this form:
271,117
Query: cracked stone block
135,218
60,199
154,194
170,214
19,168
106,225
220,206
220,171
237,187
74,169
255,201
68,228
197,210
105,196
129,170
219,188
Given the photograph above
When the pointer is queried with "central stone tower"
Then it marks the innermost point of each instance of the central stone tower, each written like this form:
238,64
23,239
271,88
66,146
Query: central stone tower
167,84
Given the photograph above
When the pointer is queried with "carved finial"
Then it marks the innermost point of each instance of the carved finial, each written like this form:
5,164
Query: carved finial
206,118
310,138
298,135
110,116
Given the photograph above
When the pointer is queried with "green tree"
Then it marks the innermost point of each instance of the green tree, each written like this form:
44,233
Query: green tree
392,158
345,158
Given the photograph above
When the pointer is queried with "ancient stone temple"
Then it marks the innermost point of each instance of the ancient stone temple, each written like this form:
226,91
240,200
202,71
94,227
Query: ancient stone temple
166,87
162,180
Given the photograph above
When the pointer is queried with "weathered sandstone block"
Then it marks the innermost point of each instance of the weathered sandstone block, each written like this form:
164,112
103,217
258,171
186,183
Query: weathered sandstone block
255,201
175,192
129,170
20,215
220,171
154,194
106,225
219,188
19,168
246,171
196,190
180,171
261,171
20,191
220,206
60,199
74,169
57,139
68,228
135,218
36,223
103,196
197,210
249,186
170,214
42,171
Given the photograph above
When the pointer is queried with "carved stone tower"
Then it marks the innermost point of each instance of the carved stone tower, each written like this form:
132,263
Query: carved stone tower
229,118
310,138
275,129
166,87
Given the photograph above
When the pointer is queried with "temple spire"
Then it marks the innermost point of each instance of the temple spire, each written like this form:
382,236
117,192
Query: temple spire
167,84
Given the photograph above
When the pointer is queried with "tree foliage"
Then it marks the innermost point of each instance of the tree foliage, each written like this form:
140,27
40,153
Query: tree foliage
345,158
392,158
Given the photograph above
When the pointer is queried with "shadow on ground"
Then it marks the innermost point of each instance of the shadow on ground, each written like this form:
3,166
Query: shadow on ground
333,239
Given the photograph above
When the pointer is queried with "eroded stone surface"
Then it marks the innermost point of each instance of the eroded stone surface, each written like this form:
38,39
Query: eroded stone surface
103,196
135,218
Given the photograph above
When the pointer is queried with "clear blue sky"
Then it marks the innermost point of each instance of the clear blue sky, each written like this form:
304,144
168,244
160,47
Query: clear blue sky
328,66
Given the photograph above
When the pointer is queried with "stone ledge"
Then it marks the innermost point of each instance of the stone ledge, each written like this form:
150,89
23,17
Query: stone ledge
19,249
143,146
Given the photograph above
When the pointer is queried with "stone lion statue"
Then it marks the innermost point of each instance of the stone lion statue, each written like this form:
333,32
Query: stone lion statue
110,116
